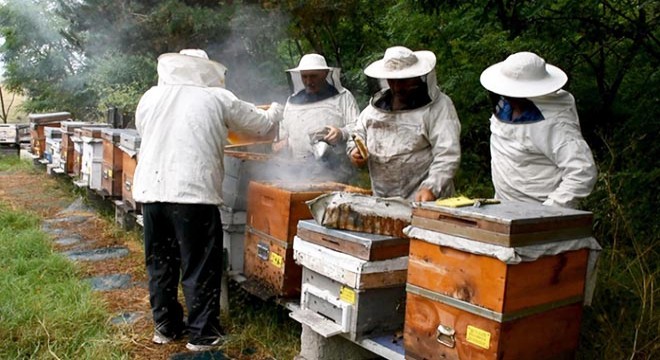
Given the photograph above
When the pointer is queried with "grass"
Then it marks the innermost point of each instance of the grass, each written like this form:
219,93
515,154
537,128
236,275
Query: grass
46,311
13,163
258,329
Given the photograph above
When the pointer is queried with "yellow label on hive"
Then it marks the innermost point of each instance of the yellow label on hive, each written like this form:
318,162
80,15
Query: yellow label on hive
478,337
276,260
347,294
110,173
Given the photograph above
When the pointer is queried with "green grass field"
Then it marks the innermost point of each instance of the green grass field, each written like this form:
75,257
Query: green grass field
46,311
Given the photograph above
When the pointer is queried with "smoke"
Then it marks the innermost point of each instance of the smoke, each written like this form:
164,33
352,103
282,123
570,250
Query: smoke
255,71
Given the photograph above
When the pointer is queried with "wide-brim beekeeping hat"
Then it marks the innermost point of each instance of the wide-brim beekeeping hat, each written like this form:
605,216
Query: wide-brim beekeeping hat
401,63
523,75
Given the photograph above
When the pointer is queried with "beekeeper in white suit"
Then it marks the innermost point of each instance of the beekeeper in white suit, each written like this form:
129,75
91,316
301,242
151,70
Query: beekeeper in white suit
316,119
183,123
537,150
410,128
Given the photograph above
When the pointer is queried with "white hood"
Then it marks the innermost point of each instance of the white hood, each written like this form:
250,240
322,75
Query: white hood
333,79
178,69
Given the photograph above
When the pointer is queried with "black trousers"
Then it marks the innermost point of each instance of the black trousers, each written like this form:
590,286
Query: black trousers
184,242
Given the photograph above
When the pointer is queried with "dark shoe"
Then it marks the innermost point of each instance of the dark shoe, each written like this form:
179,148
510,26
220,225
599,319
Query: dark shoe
205,344
165,338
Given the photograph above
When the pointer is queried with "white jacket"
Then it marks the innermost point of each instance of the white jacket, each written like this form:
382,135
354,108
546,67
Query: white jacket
183,123
546,161
412,148
300,120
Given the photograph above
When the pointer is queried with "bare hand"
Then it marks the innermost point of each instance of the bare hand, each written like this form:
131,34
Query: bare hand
280,145
424,194
334,135
357,159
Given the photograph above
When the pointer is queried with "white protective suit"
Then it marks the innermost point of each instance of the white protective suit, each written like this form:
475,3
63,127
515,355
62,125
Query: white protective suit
183,123
546,161
300,120
410,149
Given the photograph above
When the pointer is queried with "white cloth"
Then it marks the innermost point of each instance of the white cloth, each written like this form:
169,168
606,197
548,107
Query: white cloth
412,148
300,120
183,123
546,161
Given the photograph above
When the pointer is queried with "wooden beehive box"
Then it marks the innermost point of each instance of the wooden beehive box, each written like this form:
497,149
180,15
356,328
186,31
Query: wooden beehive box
243,163
77,151
92,157
491,284
274,208
269,266
365,246
38,122
130,140
129,163
8,134
67,149
467,305
436,330
507,224
342,294
111,181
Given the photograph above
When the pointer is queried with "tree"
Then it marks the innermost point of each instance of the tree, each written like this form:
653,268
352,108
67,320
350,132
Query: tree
5,109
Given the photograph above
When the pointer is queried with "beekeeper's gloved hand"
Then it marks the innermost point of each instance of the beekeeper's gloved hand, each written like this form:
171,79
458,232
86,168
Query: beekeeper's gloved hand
275,112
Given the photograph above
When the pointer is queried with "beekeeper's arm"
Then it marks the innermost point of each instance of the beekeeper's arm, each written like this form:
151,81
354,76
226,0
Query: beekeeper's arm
359,129
246,117
566,147
444,131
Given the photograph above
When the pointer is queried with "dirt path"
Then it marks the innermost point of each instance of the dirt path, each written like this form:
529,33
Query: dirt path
50,199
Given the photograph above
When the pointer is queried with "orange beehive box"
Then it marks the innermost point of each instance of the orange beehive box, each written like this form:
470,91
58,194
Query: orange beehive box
270,266
129,142
67,148
489,283
37,124
435,330
77,151
274,208
273,212
111,181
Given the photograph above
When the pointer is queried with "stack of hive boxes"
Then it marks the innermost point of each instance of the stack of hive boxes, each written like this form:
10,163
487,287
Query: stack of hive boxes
129,143
92,157
38,124
500,281
77,155
111,173
353,283
243,163
67,149
53,140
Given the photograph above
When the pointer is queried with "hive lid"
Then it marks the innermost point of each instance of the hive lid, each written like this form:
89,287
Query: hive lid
363,245
47,118
508,223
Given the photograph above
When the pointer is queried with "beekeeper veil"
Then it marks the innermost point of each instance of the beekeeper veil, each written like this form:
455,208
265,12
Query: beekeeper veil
313,62
399,62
